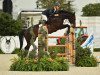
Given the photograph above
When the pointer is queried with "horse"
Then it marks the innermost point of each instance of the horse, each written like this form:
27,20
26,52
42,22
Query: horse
53,24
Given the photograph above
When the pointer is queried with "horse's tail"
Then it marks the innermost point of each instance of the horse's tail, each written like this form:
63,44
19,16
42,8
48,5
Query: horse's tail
21,37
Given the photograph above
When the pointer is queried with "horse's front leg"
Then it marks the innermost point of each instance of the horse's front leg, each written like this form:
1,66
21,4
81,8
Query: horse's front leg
27,46
67,30
32,40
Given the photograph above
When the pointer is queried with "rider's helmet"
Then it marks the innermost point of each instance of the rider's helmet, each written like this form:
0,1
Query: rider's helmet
57,4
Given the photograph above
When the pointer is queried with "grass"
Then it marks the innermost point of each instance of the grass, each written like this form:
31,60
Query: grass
96,49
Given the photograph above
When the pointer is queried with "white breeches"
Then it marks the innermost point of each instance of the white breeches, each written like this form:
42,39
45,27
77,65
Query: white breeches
44,17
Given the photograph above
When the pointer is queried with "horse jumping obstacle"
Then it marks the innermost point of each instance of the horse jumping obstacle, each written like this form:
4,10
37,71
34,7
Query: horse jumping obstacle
69,46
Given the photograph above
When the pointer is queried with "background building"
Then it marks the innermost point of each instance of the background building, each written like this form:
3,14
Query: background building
19,5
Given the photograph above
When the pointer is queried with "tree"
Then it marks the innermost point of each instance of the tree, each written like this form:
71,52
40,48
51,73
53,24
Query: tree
65,5
91,10
8,26
7,6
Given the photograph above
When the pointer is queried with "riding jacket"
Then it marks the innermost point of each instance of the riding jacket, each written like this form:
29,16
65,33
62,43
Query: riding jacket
49,12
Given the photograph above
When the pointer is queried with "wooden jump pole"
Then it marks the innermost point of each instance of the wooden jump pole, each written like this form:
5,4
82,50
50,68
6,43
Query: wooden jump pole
72,45
69,46
67,52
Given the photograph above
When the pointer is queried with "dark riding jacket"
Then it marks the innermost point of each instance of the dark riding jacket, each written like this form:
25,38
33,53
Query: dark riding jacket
49,12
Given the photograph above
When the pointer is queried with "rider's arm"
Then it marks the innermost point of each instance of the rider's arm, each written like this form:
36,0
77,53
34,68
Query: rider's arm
46,12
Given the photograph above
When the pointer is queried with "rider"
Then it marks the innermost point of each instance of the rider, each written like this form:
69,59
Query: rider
54,11
49,12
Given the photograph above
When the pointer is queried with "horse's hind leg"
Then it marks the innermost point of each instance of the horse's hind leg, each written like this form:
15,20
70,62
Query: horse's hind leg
28,43
27,46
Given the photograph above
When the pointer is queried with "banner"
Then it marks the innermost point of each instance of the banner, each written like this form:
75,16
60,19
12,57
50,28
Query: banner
89,42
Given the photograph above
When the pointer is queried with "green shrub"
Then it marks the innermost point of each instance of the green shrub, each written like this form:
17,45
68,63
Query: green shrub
32,54
87,62
80,52
63,41
1,52
9,26
16,51
44,64
23,53
63,64
96,49
22,65
57,49
42,53
83,57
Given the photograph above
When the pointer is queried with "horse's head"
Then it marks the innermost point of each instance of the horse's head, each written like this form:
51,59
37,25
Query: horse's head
68,15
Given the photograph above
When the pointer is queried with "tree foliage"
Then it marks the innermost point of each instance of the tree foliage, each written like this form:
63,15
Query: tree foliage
65,5
91,10
8,26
